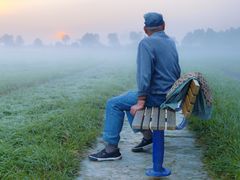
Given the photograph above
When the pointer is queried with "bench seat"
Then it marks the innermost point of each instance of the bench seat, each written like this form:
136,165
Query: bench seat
155,118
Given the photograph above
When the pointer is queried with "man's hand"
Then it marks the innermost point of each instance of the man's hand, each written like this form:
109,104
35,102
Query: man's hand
140,105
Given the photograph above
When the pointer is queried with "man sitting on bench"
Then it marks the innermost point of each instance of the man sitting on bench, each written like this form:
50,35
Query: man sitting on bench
157,70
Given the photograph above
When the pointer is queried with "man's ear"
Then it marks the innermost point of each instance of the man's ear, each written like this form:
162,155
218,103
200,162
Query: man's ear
163,26
145,30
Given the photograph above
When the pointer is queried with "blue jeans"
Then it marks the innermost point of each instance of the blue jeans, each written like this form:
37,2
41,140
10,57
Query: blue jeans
115,109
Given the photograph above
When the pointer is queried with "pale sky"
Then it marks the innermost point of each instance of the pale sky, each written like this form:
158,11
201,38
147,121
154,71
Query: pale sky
46,18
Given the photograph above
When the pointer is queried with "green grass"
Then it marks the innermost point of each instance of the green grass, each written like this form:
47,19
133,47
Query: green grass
51,147
46,128
21,73
220,136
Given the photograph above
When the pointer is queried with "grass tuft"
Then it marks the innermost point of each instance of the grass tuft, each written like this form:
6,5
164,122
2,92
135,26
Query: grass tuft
51,148
220,136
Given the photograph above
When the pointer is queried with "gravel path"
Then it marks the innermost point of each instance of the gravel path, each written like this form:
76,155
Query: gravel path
182,156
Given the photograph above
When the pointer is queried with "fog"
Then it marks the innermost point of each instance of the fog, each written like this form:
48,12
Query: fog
205,48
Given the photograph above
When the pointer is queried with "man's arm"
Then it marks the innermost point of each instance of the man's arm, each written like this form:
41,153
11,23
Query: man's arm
144,68
144,74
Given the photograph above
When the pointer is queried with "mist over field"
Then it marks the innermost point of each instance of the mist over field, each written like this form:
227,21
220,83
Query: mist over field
202,47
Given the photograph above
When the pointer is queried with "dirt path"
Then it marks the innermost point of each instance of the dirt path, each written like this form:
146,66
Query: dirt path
182,156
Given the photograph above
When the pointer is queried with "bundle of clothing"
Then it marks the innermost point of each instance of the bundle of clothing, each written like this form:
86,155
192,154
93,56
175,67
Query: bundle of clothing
203,105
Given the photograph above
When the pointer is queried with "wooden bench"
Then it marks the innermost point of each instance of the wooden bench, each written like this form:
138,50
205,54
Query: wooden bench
158,120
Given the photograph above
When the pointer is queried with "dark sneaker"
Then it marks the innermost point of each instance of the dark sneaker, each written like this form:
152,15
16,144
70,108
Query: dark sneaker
104,156
143,145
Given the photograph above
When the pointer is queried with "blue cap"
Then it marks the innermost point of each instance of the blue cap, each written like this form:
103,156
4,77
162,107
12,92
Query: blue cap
153,19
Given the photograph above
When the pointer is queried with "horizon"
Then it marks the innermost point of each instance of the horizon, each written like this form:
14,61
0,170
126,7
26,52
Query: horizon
59,37
47,20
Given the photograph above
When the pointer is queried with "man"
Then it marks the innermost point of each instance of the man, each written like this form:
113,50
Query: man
157,70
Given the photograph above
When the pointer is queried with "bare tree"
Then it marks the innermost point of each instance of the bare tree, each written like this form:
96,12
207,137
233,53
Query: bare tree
19,41
66,38
113,40
90,40
37,43
135,37
7,40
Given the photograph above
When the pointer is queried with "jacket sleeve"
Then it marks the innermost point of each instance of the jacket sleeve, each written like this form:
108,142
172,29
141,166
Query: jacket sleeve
144,68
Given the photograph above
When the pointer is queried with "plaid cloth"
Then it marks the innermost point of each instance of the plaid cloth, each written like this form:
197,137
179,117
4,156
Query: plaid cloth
203,85
203,105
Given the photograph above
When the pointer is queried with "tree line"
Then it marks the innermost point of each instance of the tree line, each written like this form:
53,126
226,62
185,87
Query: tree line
87,40
209,38
199,38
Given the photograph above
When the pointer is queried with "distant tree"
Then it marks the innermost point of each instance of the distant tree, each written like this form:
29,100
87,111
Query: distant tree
66,38
187,39
210,38
135,37
19,41
37,43
113,40
7,40
194,38
90,40
231,36
211,41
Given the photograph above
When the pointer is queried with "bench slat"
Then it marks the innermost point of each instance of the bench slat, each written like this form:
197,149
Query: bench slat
195,87
171,120
154,125
138,118
147,118
192,97
189,105
161,125
185,111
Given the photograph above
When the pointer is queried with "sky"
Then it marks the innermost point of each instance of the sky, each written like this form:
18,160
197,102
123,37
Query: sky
50,19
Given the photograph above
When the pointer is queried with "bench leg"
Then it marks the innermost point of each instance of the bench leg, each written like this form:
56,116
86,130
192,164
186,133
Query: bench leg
158,154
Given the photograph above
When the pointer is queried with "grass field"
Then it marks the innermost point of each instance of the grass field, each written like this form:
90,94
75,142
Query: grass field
220,136
51,110
45,126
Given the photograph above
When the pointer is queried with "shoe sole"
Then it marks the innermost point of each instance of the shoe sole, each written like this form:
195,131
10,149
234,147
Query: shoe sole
104,159
142,149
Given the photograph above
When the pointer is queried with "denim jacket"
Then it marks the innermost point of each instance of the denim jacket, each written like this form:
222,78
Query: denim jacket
157,64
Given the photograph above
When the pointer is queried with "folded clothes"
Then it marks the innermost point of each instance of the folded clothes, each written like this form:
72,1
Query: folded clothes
203,105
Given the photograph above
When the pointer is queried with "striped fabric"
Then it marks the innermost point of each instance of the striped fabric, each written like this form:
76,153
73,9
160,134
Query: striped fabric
203,85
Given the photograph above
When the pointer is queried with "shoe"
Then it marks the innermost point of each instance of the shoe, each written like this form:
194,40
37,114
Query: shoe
104,156
143,145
